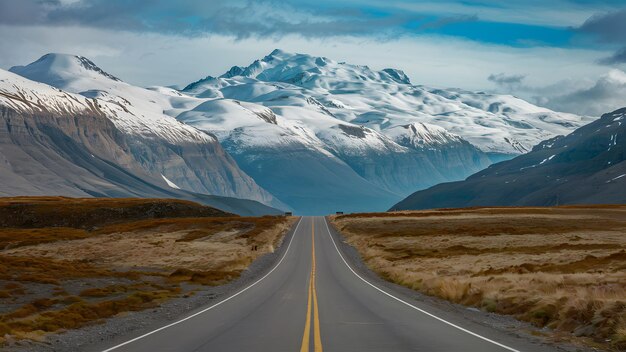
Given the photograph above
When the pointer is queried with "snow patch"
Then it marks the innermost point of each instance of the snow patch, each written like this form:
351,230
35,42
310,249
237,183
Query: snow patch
169,183
616,178
132,109
546,160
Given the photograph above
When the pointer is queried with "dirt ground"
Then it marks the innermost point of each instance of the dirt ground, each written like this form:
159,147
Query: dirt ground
562,268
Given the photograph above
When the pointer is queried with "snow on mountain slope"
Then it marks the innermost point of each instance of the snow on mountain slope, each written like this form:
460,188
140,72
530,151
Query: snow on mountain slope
263,128
421,135
286,158
294,129
133,109
397,136
148,143
320,134
27,96
385,99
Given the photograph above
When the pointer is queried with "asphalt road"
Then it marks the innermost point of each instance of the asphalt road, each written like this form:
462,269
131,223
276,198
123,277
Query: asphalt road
313,300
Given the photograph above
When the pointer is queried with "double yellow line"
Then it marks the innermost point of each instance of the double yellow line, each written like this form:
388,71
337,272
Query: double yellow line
317,338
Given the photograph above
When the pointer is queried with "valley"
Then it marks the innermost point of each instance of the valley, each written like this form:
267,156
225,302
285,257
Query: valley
290,131
353,176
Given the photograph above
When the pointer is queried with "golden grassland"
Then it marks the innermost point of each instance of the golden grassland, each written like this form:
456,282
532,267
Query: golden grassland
58,273
561,267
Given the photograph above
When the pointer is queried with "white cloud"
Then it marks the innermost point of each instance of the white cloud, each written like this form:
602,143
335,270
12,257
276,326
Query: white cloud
149,59
606,94
154,59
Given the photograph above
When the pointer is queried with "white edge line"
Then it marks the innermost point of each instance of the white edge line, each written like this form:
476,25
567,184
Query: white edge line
409,304
213,306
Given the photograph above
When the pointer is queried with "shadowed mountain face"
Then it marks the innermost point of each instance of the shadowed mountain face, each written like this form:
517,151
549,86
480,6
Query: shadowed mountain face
57,143
43,156
587,166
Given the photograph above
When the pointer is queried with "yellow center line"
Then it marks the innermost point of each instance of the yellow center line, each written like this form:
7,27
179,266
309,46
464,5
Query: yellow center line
307,325
317,338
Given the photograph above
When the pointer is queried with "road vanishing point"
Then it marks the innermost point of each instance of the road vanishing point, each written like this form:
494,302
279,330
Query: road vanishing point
315,299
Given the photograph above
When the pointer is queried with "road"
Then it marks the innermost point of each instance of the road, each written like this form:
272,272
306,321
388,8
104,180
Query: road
313,300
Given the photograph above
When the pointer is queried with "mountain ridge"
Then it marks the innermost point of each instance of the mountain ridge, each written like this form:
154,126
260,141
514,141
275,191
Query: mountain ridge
280,68
33,111
588,166
288,120
360,116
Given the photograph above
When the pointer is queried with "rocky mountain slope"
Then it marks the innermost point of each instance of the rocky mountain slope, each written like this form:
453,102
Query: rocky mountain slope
587,166
57,143
161,146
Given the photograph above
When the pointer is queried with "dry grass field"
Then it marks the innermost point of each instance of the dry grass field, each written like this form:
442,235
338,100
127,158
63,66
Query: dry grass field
563,268
65,263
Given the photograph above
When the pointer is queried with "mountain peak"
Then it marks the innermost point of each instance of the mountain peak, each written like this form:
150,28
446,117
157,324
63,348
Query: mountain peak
234,71
279,52
55,67
308,70
397,75
276,56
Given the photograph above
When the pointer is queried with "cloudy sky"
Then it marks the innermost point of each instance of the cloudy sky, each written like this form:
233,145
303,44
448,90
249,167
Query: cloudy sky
569,55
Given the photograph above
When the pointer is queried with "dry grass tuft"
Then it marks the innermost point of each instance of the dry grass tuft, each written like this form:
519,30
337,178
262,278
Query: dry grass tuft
562,267
209,277
20,269
11,237
82,313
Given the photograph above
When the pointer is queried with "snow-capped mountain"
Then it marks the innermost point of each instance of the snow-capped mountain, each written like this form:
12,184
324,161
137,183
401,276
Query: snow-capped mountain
287,157
395,136
50,131
138,111
317,163
318,135
588,166
385,99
